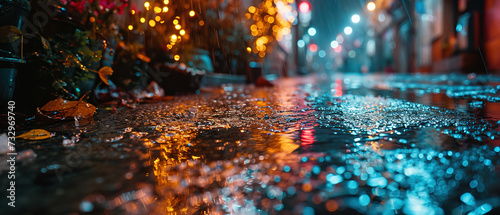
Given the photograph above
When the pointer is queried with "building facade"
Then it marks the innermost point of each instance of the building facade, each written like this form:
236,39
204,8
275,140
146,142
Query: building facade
440,36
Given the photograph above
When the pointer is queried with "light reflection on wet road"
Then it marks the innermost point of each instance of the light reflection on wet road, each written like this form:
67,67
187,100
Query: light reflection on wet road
311,145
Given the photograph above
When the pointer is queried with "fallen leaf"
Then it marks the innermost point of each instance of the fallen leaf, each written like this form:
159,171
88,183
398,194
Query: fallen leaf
143,57
35,134
104,72
9,34
60,109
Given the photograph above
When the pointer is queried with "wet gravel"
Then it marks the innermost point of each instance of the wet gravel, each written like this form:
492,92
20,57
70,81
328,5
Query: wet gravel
346,144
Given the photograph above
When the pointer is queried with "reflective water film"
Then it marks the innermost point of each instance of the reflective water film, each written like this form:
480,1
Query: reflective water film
345,144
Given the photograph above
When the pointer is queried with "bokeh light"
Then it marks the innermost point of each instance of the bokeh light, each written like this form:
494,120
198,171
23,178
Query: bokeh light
340,39
338,49
355,18
371,6
348,30
311,31
304,7
313,47
334,44
301,43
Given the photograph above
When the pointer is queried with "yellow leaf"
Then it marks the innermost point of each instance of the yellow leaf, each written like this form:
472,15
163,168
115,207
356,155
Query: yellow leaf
9,33
35,134
104,72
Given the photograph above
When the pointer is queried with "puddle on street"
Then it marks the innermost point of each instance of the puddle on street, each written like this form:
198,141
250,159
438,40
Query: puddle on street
355,145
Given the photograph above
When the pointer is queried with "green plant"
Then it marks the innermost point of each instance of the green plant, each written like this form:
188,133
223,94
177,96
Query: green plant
70,60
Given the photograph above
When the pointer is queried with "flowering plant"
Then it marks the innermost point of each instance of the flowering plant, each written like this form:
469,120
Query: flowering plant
95,10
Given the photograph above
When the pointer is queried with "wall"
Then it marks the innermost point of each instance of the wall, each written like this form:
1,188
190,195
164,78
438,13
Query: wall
492,34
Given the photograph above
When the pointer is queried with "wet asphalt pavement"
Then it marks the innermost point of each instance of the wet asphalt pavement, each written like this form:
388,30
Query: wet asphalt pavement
346,144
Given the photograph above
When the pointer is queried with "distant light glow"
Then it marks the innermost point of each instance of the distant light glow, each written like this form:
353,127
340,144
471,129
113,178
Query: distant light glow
371,6
381,17
130,27
152,23
158,10
177,57
338,49
370,47
355,18
334,44
328,65
251,9
357,43
191,13
340,39
348,30
304,7
301,43
352,54
313,47
182,32
311,31
322,54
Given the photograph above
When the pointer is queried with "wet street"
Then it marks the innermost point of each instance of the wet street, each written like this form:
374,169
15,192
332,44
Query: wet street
338,143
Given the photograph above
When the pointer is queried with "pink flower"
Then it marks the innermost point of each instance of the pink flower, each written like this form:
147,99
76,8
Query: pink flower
107,4
122,7
79,6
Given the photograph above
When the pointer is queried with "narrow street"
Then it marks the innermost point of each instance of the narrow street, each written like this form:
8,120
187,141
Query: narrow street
325,143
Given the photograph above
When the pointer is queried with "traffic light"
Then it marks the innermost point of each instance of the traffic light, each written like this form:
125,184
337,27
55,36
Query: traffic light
304,12
304,7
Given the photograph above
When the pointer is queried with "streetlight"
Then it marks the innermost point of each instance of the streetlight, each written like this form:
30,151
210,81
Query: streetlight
348,30
355,18
371,6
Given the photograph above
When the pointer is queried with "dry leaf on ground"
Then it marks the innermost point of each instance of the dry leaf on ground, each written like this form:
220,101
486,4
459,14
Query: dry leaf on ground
60,109
35,134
